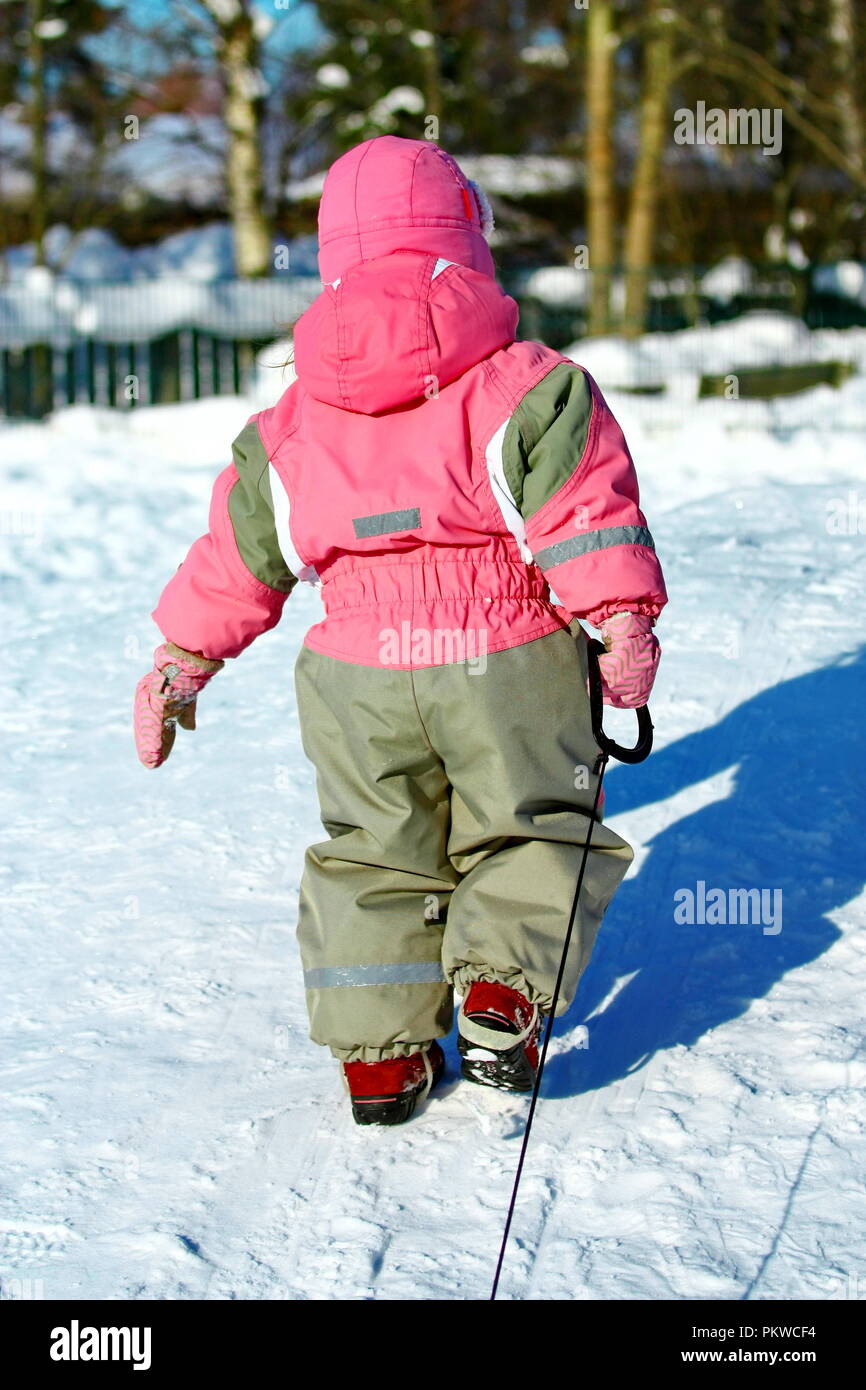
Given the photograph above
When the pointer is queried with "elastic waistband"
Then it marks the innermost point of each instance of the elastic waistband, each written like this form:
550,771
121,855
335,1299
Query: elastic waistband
398,580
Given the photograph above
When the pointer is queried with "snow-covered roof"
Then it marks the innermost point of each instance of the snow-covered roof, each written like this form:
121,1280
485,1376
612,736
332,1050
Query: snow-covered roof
203,253
516,176
44,310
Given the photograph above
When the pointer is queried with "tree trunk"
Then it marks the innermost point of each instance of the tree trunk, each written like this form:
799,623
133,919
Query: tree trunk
772,30
600,47
238,54
654,124
429,54
36,120
844,57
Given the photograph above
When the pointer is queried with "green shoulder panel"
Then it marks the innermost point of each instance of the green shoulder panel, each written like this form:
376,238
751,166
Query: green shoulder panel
546,437
251,510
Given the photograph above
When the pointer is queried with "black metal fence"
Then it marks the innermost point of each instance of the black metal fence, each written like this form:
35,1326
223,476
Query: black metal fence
141,343
174,339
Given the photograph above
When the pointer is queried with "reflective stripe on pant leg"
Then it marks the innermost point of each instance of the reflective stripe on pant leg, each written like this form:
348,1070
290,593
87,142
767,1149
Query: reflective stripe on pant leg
398,973
374,896
353,919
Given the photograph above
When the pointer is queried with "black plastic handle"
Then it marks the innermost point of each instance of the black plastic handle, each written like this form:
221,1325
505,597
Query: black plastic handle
643,747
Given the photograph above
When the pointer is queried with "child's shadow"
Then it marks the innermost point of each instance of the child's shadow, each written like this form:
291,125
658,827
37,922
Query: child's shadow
795,819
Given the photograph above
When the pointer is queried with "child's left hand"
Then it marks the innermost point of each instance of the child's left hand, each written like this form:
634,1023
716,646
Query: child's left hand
629,666
166,697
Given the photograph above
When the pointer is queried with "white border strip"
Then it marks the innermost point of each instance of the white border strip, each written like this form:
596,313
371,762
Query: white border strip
282,521
502,492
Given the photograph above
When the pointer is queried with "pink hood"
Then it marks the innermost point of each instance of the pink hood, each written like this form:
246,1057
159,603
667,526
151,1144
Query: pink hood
410,301
392,332
389,193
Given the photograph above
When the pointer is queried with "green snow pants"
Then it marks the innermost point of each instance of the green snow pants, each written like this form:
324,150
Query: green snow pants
457,800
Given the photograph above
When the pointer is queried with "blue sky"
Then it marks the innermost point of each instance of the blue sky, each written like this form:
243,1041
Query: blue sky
295,26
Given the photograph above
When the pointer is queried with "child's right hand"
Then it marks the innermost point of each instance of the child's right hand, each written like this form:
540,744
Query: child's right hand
166,697
629,665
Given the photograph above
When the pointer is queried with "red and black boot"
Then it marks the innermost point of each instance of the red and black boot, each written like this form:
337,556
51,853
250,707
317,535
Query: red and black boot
386,1093
498,1035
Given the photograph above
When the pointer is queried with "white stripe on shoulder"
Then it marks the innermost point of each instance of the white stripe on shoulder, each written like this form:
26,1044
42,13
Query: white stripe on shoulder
441,265
282,522
502,492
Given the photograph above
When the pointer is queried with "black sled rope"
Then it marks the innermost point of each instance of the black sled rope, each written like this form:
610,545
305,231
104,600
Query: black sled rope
609,748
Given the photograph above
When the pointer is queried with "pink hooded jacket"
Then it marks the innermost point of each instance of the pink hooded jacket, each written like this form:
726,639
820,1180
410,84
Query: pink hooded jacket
426,472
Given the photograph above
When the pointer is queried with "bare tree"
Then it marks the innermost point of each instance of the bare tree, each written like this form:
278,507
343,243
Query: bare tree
237,52
432,76
658,74
36,119
601,43
844,59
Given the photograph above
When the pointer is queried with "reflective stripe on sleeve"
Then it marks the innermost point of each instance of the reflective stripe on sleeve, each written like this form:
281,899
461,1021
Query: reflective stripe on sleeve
588,541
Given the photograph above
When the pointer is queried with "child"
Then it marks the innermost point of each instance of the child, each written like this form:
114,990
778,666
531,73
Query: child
429,474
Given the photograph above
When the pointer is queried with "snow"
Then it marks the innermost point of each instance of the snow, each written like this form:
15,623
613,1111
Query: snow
174,155
171,1132
847,279
139,312
731,276
202,254
516,176
567,287
520,176
92,286
169,155
383,112
551,55
564,286
761,338
333,76
273,373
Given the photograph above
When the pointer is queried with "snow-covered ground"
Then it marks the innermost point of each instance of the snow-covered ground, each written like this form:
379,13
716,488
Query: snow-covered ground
169,1130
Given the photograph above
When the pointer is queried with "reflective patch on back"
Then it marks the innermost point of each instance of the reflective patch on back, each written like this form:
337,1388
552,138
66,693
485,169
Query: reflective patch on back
384,523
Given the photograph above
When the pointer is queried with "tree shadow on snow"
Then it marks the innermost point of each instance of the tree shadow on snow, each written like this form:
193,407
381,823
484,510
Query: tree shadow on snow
795,819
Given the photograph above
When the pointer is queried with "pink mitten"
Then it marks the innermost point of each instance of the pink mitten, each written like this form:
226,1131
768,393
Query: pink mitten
629,666
166,697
